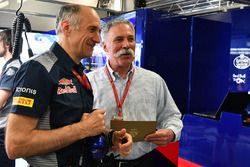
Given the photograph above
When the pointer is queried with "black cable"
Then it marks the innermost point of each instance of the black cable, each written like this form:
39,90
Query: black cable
98,2
13,30
30,52
17,35
21,4
27,25
28,29
17,28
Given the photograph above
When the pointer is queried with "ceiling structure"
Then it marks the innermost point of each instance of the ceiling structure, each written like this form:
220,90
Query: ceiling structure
45,10
180,7
195,7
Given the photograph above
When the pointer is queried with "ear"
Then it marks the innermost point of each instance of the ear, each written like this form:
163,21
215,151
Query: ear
8,47
104,46
65,27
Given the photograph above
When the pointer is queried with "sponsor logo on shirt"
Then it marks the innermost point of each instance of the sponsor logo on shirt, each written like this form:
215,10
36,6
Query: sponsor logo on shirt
26,90
23,101
65,81
66,86
66,89
10,72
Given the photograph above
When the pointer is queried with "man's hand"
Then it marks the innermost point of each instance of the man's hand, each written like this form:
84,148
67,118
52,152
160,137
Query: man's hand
92,124
122,141
161,137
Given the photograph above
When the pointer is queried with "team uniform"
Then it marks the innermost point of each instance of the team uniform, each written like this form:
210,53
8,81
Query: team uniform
6,83
47,89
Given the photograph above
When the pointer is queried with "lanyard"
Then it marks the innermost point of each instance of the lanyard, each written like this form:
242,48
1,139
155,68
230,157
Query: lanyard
82,79
119,103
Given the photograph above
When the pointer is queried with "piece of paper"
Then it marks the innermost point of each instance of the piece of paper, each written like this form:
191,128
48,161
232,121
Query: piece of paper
138,129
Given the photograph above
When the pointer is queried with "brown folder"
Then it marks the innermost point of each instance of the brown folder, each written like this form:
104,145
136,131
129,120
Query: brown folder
138,129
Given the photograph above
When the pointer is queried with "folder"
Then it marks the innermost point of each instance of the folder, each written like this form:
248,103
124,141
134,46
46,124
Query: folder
138,129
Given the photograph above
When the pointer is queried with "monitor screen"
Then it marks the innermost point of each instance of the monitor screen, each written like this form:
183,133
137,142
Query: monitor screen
38,42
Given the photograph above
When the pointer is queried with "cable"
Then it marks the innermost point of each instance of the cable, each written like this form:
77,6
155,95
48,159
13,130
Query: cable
28,29
21,4
17,28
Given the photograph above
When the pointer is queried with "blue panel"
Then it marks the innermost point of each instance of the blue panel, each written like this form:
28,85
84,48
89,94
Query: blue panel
216,143
210,65
240,47
193,61
166,51
240,51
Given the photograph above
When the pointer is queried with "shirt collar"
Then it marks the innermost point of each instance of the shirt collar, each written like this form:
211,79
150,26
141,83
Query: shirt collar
63,58
114,74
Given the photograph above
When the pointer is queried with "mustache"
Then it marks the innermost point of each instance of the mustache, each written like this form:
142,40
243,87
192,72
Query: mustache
122,52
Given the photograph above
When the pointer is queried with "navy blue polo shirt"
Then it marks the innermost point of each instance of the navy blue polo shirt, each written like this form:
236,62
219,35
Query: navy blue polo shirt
46,88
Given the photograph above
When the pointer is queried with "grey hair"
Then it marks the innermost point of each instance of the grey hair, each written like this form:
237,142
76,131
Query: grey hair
112,23
69,13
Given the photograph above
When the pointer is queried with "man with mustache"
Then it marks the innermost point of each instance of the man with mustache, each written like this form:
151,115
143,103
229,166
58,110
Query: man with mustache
133,94
52,117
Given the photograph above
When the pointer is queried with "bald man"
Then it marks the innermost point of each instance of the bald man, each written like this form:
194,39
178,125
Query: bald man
51,114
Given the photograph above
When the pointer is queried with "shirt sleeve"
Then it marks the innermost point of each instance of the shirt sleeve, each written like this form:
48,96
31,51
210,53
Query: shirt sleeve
168,114
7,78
32,90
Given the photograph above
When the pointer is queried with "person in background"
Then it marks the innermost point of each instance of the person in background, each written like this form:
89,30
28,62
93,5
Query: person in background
6,85
51,115
133,94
